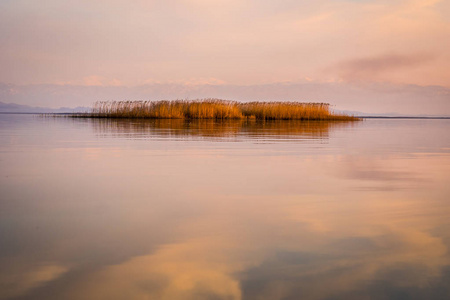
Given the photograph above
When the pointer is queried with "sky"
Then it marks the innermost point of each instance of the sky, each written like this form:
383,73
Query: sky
350,53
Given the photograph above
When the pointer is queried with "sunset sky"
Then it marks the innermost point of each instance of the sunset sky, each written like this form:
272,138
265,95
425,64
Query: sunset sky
351,53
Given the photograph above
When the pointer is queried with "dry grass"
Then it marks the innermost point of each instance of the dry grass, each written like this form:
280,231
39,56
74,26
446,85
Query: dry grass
215,109
286,110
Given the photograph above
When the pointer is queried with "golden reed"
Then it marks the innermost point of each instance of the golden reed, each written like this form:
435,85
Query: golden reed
215,109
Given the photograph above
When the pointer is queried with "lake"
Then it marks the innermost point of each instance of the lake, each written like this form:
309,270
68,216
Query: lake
171,209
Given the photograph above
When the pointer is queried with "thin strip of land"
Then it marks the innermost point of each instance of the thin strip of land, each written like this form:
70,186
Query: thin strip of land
215,109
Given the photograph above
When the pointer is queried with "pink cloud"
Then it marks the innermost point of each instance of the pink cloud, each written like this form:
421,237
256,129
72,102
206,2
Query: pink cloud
93,81
188,82
379,67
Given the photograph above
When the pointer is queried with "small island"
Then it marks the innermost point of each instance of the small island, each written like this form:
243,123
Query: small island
215,109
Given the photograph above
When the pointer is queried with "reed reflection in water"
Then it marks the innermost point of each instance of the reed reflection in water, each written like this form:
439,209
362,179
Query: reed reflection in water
294,130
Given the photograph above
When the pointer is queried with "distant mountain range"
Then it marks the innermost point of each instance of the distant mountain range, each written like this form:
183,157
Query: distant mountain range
387,115
17,108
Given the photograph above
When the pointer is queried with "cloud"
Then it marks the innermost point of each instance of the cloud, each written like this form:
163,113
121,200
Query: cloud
188,82
190,270
22,278
240,42
376,68
92,80
406,261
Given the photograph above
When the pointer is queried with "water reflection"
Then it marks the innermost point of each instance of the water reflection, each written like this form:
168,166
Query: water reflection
111,210
217,129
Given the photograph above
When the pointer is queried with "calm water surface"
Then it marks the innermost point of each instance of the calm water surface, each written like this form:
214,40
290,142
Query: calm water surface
98,209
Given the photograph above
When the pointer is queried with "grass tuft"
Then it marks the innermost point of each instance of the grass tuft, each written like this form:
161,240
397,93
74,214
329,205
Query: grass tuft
215,109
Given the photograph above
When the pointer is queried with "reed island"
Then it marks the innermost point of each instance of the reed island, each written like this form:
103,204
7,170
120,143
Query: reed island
215,109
